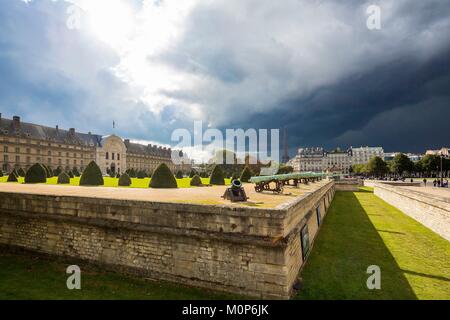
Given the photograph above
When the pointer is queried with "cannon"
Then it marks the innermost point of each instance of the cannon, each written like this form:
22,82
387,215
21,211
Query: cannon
236,192
276,183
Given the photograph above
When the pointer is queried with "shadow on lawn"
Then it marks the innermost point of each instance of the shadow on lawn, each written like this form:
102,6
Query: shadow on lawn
346,246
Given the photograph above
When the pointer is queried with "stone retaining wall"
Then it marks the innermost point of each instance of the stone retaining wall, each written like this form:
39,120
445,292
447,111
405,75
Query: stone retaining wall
430,210
242,250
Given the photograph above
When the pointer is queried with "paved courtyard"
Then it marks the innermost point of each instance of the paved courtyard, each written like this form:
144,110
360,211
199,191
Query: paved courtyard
202,195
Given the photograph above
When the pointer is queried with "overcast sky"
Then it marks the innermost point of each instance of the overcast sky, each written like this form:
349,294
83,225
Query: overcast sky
312,66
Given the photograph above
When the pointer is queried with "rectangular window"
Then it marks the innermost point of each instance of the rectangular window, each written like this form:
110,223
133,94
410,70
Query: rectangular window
304,237
118,156
113,156
5,149
319,217
17,159
107,156
17,150
5,158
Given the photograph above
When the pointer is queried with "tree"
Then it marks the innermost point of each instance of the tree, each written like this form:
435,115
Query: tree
430,163
92,175
63,178
57,172
196,181
401,164
36,174
193,173
377,167
48,170
217,177
246,174
141,174
70,174
75,172
285,169
163,178
124,180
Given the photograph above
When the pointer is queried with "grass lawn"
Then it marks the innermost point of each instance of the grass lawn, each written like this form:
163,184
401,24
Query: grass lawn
114,182
34,278
362,230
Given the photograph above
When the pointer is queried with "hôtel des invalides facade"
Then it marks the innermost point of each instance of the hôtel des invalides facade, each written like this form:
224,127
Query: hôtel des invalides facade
24,144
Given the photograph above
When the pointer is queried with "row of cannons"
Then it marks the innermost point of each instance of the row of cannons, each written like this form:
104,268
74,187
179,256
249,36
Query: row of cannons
273,183
276,183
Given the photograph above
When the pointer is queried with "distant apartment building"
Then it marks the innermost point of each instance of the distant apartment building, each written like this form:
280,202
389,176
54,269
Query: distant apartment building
443,151
363,155
316,159
414,157
309,160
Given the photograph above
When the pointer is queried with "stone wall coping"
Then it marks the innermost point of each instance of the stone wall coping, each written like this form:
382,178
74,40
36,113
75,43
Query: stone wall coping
432,200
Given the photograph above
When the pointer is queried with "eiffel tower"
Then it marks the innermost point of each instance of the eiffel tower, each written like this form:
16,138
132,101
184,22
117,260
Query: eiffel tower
285,158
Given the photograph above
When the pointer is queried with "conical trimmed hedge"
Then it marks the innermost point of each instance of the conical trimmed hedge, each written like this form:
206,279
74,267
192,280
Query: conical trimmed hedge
246,174
70,173
163,178
141,174
179,175
63,178
192,174
12,177
21,172
124,180
217,177
36,174
92,175
1,173
75,172
196,181
57,172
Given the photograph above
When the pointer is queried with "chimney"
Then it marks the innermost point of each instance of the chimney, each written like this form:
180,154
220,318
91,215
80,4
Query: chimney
0,116
16,120
127,141
72,131
57,129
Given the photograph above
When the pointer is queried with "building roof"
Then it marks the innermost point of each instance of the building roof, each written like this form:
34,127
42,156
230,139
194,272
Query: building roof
16,128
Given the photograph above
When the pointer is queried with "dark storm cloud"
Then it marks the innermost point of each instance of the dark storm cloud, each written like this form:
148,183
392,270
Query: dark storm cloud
310,66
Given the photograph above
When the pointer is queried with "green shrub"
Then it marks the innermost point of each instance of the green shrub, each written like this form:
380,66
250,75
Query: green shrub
21,172
1,173
179,175
36,174
70,173
217,177
192,174
63,178
118,175
12,177
112,174
75,172
196,181
246,174
92,176
124,180
57,172
141,174
48,170
163,178
235,176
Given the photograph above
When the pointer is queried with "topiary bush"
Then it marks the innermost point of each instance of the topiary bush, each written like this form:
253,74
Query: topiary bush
141,174
48,170
193,174
63,178
246,174
12,177
21,172
1,173
124,180
179,175
196,181
217,177
163,178
75,172
70,174
92,175
118,175
57,172
36,174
